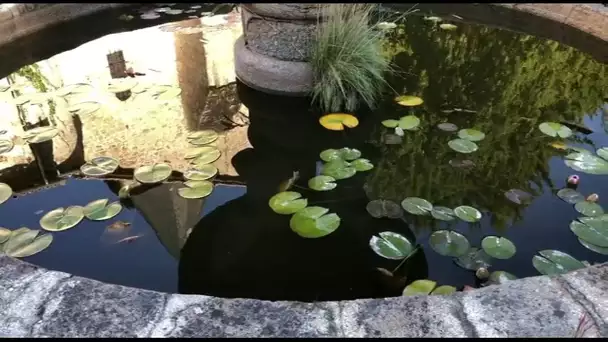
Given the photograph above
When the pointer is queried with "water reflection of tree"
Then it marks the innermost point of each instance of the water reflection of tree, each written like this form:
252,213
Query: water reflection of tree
513,81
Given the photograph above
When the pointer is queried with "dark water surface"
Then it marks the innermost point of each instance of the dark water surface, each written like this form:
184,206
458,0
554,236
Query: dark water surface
508,82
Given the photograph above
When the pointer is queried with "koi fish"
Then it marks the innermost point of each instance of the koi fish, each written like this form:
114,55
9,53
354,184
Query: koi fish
287,184
118,225
129,239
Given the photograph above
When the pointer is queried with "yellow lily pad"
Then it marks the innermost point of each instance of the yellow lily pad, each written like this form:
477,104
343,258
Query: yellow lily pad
337,121
408,100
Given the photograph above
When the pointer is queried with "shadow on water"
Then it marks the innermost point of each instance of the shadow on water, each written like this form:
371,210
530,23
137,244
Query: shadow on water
244,249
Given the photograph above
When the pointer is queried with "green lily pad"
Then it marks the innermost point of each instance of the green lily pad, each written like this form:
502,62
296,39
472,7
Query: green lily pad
322,183
409,122
462,146
416,206
498,247
433,19
390,123
447,127
362,165
5,192
84,108
6,145
349,154
196,189
442,213
408,100
61,219
471,134
40,134
448,27
468,214
594,248
443,290
449,243
34,246
589,208
602,152
204,155
287,202
338,169
518,196
592,230
314,222
204,172
554,129
202,137
500,277
18,240
151,174
119,85
5,234
570,196
474,259
419,287
100,210
391,245
383,208
587,163
99,166
553,262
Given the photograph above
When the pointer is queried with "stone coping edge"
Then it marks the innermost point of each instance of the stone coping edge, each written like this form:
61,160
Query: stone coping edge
36,302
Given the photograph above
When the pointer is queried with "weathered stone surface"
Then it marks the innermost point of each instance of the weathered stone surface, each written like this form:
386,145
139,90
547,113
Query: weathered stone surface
297,11
285,40
197,316
270,74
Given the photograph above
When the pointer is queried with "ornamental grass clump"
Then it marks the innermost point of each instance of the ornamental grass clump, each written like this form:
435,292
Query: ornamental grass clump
347,60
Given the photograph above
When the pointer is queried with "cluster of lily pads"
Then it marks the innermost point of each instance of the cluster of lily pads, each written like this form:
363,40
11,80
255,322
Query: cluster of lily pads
201,155
443,26
166,9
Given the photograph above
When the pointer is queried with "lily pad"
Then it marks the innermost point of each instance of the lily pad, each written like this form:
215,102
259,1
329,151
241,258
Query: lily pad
338,169
196,189
408,100
592,230
443,290
362,165
468,214
594,248
602,152
314,222
554,129
462,146
204,172
391,245
409,122
390,123
5,146
40,134
84,108
5,234
419,287
119,85
202,137
76,88
174,11
433,19
449,243
100,210
345,153
151,174
500,277
473,259
570,196
447,127
448,27
552,262
61,219
498,247
27,244
5,192
589,208
443,213
338,121
417,206
322,183
471,134
99,166
383,208
287,202
587,163
518,196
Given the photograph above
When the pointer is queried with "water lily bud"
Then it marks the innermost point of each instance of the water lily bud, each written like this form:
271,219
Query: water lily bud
482,273
593,197
573,179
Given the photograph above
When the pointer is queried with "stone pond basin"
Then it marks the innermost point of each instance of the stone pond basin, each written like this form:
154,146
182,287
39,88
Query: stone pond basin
36,302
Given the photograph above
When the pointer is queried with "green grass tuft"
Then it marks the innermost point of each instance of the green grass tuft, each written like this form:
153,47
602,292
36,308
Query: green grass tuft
347,60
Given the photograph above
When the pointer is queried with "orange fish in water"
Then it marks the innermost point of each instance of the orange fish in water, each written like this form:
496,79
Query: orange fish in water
119,225
129,239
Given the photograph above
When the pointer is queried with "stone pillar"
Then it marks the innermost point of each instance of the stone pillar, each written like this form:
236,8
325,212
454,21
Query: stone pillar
273,53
